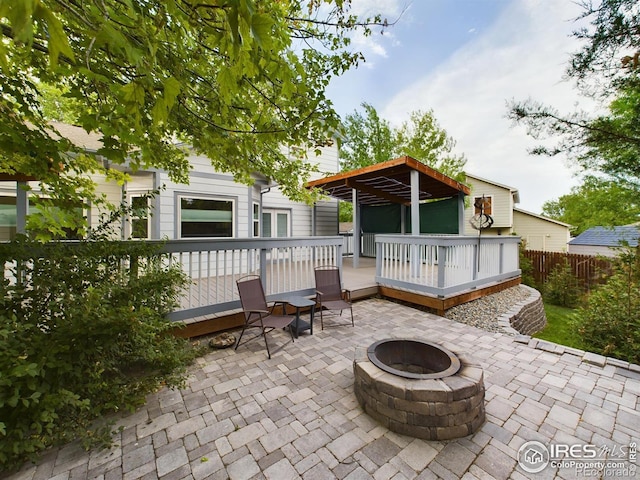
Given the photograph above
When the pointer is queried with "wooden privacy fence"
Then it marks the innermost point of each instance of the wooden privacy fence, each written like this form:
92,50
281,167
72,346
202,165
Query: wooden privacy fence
590,270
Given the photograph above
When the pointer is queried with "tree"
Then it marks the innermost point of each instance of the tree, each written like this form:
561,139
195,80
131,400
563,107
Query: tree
606,69
237,80
422,138
368,139
609,321
371,139
597,202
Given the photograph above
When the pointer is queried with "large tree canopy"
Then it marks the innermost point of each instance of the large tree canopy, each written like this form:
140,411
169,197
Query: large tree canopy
237,80
370,139
597,202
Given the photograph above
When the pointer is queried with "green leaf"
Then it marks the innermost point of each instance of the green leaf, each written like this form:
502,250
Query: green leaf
226,84
133,93
261,29
172,89
58,42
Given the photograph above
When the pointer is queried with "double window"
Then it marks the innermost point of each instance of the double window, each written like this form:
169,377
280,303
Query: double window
206,217
275,223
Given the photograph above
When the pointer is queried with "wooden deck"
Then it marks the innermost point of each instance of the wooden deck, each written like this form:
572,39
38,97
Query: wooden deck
361,282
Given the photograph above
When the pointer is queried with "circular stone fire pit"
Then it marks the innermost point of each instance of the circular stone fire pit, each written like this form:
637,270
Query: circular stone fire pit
420,389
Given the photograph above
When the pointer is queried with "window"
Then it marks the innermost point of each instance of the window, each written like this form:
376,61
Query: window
482,205
8,218
256,220
204,217
275,223
140,216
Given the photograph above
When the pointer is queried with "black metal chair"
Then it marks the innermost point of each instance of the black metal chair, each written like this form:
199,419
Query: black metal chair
329,292
256,312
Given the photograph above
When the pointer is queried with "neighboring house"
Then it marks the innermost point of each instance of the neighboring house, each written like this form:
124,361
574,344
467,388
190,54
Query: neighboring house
498,201
605,241
212,205
540,233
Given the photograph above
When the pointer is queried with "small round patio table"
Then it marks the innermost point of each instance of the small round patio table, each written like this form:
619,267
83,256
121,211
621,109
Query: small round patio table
298,302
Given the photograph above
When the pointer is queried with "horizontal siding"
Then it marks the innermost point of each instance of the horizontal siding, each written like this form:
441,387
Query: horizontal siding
502,205
540,234
204,183
594,250
327,218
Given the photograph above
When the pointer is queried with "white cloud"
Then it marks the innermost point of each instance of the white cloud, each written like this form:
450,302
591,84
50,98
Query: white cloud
374,45
523,54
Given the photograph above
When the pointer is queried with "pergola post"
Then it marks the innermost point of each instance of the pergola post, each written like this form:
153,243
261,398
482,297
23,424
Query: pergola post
415,202
460,213
415,222
356,228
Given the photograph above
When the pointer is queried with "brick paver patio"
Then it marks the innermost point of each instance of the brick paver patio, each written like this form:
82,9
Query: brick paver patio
243,416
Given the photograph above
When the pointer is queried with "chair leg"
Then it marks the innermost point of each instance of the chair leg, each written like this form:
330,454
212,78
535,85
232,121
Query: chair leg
352,324
264,334
240,337
291,332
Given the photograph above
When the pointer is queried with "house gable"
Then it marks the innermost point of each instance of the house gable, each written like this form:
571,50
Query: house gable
501,199
540,233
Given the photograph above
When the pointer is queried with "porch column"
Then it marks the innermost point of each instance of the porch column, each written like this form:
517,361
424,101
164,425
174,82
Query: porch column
356,228
460,213
415,221
415,202
22,207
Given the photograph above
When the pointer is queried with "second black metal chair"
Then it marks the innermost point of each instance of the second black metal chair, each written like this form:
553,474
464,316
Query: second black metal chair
329,292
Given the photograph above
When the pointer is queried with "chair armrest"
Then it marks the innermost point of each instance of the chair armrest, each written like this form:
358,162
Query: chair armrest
256,311
277,302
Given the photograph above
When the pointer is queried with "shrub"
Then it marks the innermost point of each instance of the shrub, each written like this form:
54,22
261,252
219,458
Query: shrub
526,267
84,334
561,287
610,321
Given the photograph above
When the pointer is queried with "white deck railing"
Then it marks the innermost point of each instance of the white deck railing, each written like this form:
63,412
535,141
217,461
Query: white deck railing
284,264
446,264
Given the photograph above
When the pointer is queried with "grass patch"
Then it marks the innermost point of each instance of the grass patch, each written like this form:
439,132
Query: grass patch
561,327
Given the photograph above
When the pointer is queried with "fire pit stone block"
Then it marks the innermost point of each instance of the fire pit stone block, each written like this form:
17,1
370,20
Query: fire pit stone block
431,409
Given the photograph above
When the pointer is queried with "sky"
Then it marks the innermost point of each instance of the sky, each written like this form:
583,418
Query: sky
465,60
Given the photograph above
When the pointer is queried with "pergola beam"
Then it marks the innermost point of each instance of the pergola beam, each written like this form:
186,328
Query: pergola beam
376,192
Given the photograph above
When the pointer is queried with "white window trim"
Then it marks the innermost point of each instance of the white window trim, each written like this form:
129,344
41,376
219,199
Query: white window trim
491,202
231,200
255,221
274,213
130,219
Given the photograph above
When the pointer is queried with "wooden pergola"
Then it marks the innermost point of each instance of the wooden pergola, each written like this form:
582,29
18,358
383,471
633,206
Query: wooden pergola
404,181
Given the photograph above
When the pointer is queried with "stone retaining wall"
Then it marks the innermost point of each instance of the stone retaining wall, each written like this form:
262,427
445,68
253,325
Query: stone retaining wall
526,317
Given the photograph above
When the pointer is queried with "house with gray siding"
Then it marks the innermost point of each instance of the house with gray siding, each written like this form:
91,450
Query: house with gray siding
212,205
